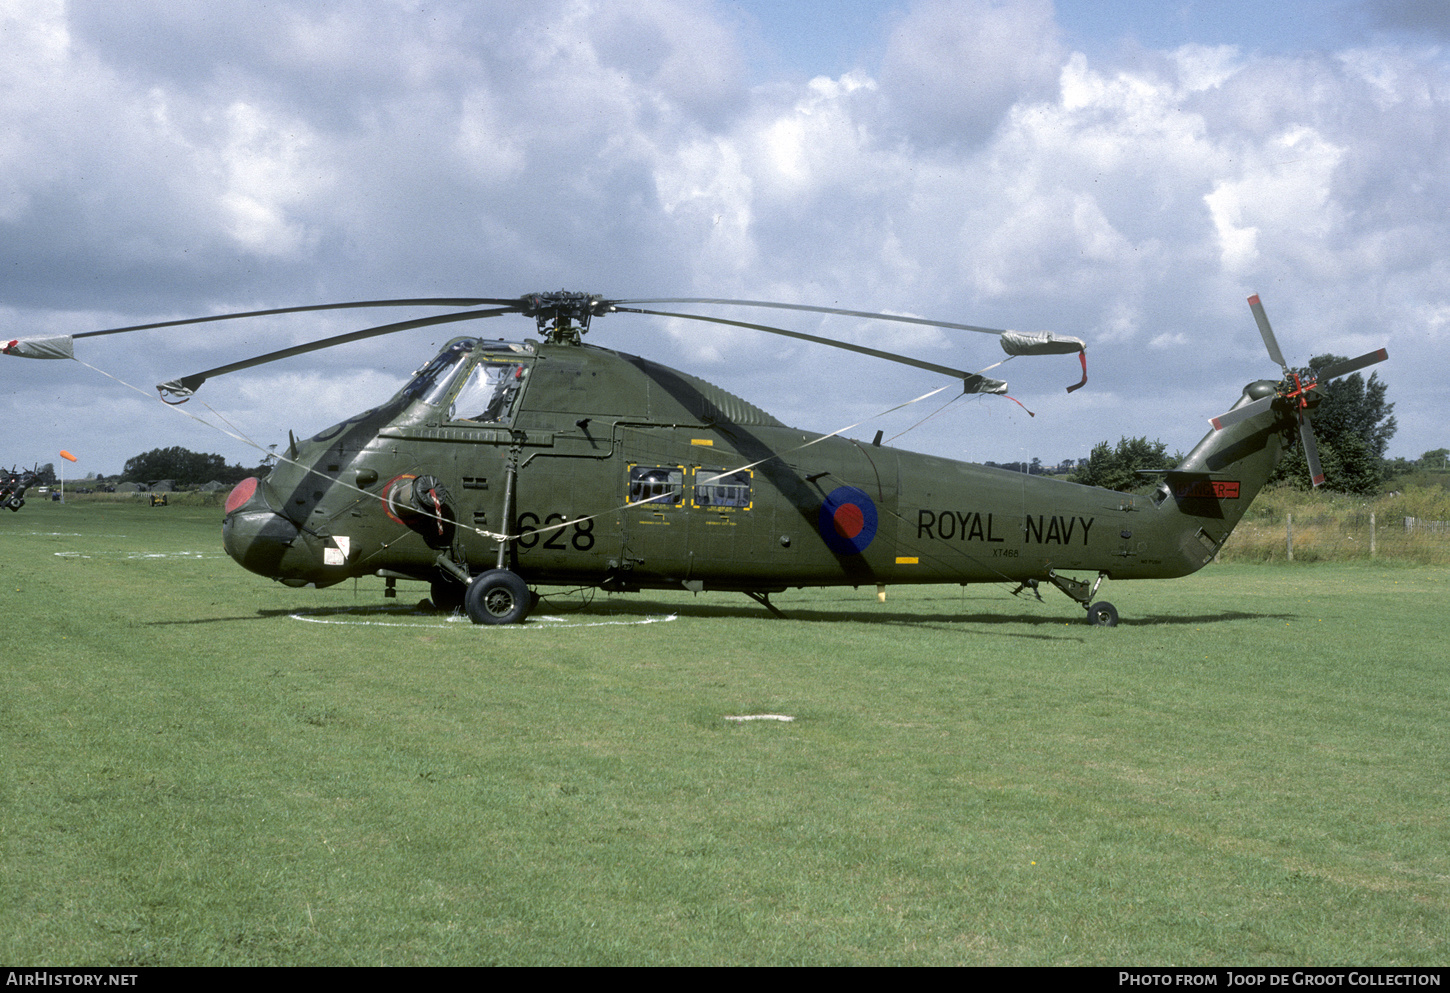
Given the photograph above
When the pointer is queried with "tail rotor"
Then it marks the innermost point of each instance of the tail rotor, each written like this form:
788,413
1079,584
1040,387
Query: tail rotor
1294,393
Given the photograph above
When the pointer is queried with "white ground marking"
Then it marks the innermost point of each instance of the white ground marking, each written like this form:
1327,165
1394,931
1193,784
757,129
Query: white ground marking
539,622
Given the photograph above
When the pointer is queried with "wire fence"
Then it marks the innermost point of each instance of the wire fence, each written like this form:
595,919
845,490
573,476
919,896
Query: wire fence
1338,537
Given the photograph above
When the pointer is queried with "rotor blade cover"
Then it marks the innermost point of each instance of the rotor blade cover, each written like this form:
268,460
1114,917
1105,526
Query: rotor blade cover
1046,343
978,383
1040,343
53,347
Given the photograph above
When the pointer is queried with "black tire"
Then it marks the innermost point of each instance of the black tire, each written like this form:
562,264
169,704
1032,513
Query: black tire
497,597
1103,615
447,594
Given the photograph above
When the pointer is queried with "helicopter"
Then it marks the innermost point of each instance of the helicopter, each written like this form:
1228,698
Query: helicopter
13,485
500,467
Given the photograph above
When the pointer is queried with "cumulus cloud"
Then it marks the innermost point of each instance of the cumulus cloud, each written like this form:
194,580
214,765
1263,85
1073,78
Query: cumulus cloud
953,69
165,158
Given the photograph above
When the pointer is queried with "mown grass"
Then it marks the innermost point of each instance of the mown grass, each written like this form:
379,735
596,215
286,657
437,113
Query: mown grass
1248,770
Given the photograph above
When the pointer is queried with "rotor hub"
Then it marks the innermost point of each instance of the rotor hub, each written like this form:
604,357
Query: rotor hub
1300,395
556,314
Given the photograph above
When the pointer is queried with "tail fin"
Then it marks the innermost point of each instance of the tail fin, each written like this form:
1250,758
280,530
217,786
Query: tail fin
1205,497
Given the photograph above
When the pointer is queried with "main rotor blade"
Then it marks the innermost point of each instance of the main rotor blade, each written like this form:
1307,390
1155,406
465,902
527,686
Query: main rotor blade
1351,365
1267,333
875,353
357,304
188,385
1311,451
819,310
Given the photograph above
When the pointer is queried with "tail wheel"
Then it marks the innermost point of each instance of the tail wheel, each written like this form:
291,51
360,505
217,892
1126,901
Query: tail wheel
1103,615
498,597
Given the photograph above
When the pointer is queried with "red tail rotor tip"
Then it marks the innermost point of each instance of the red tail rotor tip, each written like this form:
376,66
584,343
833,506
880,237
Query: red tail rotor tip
1253,299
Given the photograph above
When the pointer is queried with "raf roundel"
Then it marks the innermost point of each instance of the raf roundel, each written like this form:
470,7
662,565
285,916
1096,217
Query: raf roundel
847,521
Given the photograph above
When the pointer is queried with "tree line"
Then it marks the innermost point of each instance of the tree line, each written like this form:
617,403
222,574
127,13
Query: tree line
184,468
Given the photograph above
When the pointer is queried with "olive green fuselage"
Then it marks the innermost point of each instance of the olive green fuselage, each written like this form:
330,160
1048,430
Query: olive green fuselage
603,469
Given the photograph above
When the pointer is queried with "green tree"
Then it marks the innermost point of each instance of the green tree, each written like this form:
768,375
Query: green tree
186,468
1353,425
1117,468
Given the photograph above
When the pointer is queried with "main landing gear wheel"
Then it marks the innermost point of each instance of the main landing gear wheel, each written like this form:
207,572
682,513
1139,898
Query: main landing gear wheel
447,594
498,597
1103,615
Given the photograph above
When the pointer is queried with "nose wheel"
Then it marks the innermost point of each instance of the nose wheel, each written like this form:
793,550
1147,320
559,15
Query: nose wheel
1103,615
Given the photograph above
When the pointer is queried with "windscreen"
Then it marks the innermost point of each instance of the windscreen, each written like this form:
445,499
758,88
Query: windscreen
488,394
430,383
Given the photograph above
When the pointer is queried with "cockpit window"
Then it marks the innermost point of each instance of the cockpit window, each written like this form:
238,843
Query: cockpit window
430,383
488,394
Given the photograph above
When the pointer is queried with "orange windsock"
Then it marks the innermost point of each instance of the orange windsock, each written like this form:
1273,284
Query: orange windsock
67,455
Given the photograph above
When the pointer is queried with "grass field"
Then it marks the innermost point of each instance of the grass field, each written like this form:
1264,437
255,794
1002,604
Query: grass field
203,767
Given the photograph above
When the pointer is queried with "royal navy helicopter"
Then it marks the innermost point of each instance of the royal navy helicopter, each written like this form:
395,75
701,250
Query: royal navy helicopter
502,466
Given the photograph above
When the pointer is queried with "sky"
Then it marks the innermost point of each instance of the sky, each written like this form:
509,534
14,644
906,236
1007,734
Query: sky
1126,173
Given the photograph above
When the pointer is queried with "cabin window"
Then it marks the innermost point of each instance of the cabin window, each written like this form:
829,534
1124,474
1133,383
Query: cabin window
722,489
489,392
657,485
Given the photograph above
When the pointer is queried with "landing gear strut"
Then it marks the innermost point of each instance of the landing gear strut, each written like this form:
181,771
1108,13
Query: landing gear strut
500,596
1100,614
764,600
